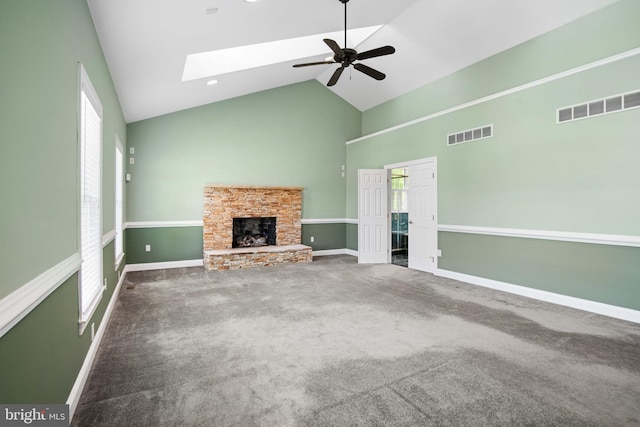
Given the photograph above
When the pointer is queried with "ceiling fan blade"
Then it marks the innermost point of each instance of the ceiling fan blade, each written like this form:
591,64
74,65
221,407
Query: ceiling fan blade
369,71
336,75
381,51
334,47
313,63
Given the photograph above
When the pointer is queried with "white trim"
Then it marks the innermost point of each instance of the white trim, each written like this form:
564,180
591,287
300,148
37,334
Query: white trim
351,252
83,323
81,379
411,163
108,238
119,260
548,79
351,221
324,221
199,223
89,90
567,301
15,306
328,252
564,236
162,224
162,265
119,199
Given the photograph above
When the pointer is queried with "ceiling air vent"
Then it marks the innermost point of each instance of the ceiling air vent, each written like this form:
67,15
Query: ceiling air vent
598,107
470,135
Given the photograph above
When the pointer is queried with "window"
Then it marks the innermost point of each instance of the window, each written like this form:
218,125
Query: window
90,286
118,202
399,190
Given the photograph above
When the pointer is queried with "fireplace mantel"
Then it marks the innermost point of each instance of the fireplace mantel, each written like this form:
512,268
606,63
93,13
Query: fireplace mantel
223,203
252,187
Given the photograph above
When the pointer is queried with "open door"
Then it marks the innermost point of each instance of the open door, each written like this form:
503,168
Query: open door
373,217
423,232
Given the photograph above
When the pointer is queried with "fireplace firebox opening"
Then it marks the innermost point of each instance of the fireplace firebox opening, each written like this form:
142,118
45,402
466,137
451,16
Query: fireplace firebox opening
248,232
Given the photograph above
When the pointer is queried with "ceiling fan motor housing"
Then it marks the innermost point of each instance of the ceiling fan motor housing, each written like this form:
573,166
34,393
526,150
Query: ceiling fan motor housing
347,57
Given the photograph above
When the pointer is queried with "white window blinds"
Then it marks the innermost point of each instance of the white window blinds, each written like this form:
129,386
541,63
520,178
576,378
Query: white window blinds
90,199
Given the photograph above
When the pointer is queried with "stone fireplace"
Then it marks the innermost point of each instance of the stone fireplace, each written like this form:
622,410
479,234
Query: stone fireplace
248,226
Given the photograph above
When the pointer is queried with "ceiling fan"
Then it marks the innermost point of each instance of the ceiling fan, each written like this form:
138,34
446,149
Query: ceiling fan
346,57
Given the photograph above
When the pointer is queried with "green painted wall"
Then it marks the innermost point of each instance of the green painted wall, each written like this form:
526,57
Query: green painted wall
167,244
41,43
326,236
185,243
41,356
352,237
533,174
609,274
580,42
289,136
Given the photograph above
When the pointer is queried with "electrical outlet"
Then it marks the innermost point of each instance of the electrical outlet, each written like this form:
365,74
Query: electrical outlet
131,160
312,239
439,252
147,248
132,150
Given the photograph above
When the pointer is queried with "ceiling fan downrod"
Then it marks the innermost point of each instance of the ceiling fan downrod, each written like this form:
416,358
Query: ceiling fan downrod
345,21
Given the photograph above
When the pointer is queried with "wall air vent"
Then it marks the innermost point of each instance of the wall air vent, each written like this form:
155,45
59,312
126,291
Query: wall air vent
470,135
598,107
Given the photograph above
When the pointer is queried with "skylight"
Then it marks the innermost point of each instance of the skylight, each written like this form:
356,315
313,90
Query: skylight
207,64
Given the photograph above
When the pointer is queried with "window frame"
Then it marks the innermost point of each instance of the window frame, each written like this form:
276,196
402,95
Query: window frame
87,96
119,202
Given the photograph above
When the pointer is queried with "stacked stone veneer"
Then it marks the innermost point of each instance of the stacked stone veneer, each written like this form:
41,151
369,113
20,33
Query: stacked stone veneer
222,203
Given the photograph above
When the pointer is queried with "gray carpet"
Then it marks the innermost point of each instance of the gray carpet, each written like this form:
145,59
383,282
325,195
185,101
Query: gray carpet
334,343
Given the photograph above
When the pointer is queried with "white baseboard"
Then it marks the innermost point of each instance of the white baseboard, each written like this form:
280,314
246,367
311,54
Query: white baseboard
567,301
162,265
81,379
328,252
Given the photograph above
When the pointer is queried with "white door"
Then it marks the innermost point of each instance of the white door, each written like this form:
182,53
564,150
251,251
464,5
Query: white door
373,218
423,233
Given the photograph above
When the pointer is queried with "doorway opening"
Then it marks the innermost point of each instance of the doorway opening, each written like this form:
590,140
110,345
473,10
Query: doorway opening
413,204
399,217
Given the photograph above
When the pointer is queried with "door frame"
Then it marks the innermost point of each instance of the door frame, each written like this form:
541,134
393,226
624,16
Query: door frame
406,164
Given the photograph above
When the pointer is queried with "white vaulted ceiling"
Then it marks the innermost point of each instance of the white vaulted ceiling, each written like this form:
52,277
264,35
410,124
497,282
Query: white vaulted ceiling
147,42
